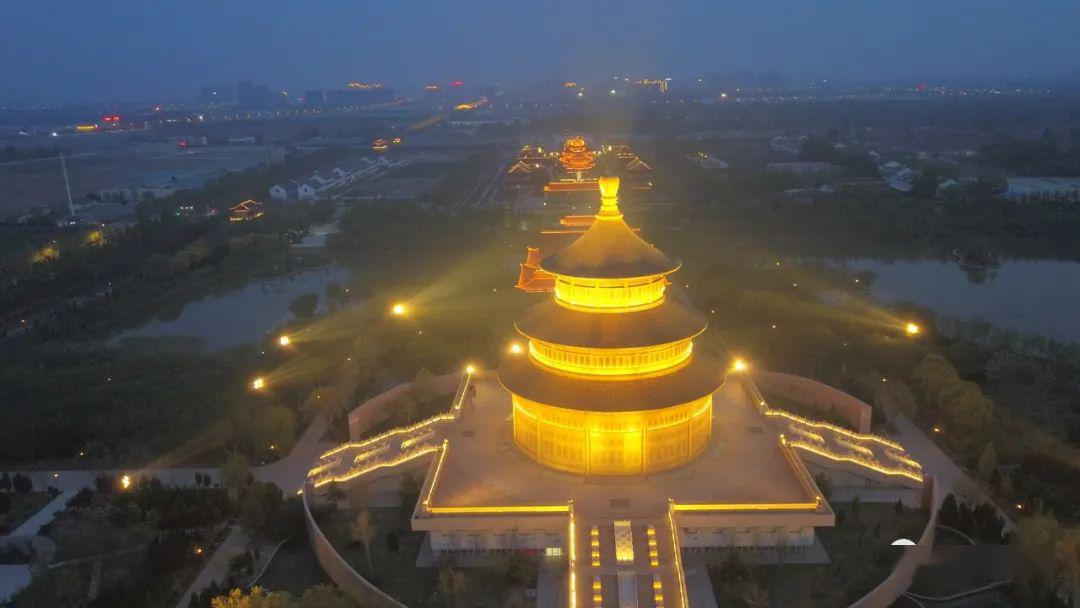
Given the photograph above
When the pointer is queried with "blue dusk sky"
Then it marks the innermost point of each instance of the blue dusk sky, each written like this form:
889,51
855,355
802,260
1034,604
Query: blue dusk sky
65,50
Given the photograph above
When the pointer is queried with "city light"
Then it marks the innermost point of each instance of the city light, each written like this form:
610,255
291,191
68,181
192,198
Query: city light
912,329
258,383
399,310
739,365
284,340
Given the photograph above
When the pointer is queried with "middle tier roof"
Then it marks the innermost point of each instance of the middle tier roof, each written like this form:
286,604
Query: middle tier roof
671,321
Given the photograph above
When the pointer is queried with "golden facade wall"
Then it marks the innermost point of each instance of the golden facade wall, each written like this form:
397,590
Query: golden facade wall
611,362
612,443
609,295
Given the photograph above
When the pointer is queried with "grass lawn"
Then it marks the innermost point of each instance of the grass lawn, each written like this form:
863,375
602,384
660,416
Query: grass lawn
22,507
294,568
396,573
860,560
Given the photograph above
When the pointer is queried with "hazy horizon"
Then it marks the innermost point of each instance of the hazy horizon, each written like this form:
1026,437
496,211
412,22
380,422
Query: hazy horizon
130,50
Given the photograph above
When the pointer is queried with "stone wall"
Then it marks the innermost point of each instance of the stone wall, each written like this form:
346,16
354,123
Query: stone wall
339,571
898,582
378,408
815,394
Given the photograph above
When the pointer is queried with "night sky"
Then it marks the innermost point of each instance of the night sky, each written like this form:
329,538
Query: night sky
66,50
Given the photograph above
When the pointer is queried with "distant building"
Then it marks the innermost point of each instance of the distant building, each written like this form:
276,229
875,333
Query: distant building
805,168
305,191
707,161
1043,188
898,177
246,211
279,192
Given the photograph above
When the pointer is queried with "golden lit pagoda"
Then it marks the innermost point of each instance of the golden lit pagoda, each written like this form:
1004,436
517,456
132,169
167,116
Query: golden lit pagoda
576,157
611,385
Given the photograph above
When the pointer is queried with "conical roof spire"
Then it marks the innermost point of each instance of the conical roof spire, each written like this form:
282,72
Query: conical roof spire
609,249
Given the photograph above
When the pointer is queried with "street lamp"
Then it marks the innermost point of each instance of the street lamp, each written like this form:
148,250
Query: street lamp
259,383
739,365
399,310
912,330
125,482
284,340
470,369
515,348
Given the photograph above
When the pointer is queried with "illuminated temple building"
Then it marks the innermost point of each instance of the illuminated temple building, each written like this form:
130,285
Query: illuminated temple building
609,445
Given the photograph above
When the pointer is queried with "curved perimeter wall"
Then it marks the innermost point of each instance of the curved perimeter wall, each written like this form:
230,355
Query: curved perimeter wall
815,394
903,572
375,410
339,571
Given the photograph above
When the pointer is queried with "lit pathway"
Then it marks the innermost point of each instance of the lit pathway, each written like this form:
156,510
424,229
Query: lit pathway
653,568
217,566
947,475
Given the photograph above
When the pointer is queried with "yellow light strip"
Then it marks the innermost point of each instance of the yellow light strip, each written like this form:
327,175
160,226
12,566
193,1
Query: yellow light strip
573,557
405,443
353,474
747,506
679,573
459,397
513,509
858,461
389,434
832,427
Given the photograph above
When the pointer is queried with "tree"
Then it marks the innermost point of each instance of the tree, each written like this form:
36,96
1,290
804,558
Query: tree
325,596
303,306
755,596
261,508
423,386
824,484
363,531
273,428
1067,559
452,585
257,598
22,483
988,463
234,474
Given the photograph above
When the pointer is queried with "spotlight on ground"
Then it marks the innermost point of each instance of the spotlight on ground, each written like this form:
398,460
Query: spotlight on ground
903,542
284,340
125,482
739,365
470,369
259,383
515,348
399,310
912,330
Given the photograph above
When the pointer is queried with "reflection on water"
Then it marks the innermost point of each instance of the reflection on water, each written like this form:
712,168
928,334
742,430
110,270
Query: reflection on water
239,316
1029,296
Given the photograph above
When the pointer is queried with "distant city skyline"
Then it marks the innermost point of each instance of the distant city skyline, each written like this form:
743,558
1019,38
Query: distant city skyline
126,50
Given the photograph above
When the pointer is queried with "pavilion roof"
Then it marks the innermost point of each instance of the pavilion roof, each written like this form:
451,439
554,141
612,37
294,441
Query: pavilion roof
669,322
700,377
609,249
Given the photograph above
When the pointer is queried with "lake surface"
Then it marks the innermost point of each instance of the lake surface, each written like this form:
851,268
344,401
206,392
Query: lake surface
1041,297
242,315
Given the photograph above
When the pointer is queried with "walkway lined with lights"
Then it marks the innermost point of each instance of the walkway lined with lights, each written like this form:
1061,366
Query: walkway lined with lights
831,445
616,560
351,460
